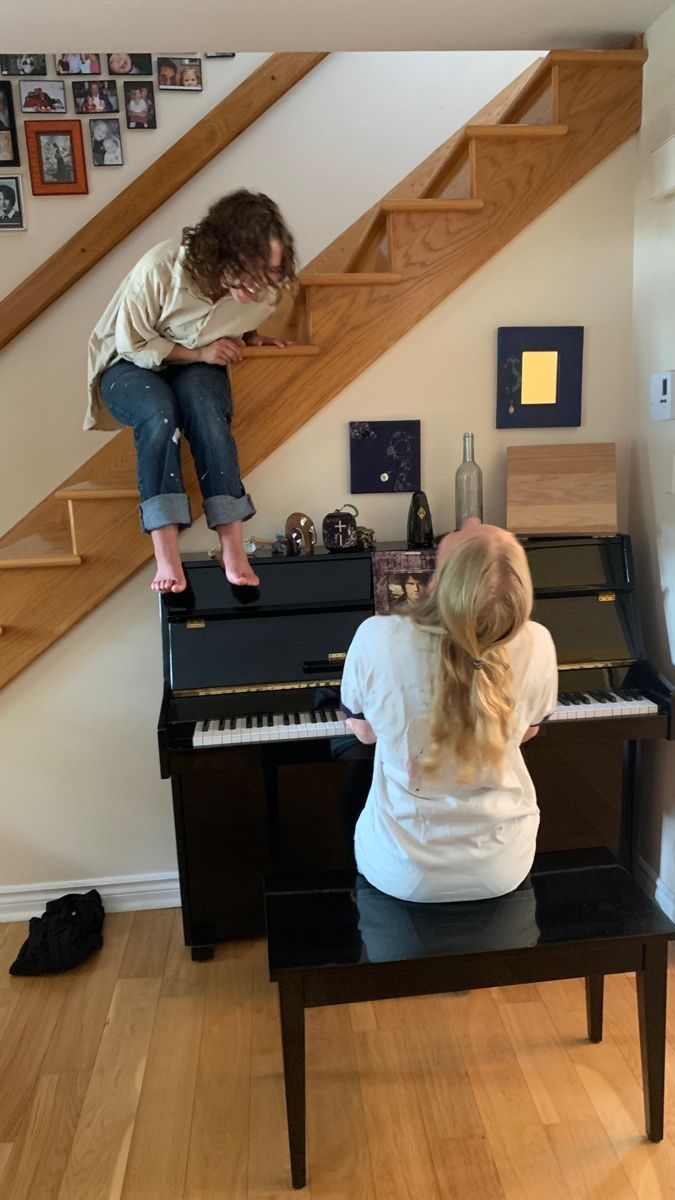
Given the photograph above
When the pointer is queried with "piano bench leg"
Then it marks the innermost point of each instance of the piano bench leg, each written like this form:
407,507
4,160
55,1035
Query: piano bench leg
202,953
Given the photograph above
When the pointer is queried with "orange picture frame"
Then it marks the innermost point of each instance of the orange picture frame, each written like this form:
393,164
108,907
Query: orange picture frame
56,158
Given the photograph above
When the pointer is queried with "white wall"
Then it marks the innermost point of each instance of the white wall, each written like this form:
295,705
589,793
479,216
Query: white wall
653,501
95,805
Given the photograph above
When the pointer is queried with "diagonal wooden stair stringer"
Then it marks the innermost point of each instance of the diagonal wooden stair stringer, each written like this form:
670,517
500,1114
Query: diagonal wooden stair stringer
356,299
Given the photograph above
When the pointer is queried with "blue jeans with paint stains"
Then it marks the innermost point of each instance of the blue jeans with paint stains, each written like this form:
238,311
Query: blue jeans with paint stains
160,406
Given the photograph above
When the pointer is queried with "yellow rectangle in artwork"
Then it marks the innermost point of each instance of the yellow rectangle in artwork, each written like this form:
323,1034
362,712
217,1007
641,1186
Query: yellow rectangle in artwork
540,377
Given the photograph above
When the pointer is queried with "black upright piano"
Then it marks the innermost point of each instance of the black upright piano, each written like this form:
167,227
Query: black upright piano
264,773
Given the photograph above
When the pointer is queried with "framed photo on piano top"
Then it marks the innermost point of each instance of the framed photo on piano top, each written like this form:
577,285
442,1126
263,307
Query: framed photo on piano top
399,578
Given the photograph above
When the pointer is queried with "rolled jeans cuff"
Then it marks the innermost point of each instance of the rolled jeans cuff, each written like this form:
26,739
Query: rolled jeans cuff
173,508
223,510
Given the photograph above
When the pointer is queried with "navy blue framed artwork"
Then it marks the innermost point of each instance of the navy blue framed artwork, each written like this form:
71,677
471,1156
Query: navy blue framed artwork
384,456
539,370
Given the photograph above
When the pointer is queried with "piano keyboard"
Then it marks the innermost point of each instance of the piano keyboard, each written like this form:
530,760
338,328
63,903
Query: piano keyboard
588,706
268,727
288,727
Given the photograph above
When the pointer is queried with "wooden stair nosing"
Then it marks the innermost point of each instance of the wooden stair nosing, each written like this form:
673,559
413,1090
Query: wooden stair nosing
96,489
291,351
515,132
597,58
351,279
429,204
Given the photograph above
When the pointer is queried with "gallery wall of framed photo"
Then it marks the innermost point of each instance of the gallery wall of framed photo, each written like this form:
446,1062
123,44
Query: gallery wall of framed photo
77,110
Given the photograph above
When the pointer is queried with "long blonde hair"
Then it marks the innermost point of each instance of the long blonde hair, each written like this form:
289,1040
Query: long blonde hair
481,600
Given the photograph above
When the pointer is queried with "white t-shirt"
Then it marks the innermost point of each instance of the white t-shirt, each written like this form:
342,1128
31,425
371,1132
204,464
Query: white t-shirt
429,838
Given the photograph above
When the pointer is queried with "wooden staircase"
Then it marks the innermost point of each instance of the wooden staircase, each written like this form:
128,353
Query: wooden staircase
373,284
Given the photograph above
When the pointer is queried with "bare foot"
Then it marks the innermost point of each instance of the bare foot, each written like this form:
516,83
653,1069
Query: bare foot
238,569
236,566
170,576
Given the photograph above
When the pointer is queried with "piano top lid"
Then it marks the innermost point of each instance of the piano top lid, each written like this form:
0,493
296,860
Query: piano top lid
578,564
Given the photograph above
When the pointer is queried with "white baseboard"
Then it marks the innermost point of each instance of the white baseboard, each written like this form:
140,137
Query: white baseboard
657,889
119,894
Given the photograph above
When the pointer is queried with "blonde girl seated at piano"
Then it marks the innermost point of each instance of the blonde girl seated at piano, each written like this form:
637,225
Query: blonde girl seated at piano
159,359
448,692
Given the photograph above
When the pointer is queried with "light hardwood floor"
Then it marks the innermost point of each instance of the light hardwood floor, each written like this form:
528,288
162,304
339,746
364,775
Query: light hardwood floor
145,1076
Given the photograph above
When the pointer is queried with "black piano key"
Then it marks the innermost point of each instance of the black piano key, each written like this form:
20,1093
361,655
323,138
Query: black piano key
312,717
270,720
296,718
601,697
286,719
259,721
581,698
221,724
249,722
233,722
563,699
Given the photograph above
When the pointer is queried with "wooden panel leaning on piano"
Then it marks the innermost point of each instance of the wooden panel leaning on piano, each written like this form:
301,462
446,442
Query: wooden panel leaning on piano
264,775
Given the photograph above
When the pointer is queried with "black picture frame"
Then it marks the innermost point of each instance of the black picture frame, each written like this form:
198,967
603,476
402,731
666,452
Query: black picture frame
43,97
11,217
84,98
65,63
102,132
138,64
182,64
23,64
9,142
139,104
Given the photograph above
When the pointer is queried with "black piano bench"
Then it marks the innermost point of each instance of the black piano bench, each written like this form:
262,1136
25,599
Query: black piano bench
334,939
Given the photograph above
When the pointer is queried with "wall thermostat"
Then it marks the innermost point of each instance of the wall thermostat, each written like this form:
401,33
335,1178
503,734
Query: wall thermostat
661,395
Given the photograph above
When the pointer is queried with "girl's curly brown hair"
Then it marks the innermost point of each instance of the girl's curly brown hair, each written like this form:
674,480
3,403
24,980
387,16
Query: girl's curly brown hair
234,238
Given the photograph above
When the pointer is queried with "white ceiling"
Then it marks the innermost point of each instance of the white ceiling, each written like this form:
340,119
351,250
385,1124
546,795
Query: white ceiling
182,25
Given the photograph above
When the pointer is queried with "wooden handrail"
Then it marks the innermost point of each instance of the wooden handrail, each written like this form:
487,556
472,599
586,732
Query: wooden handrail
152,188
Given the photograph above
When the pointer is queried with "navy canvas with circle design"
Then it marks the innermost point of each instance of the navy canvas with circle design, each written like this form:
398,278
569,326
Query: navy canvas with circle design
384,456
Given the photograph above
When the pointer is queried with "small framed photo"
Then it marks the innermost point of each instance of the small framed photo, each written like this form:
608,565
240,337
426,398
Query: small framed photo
129,64
178,74
106,142
56,158
47,96
98,96
139,105
9,144
23,64
400,577
11,202
77,64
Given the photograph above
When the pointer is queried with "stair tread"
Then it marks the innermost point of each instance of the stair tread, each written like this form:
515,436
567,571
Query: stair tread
515,131
293,351
98,489
432,204
349,278
38,550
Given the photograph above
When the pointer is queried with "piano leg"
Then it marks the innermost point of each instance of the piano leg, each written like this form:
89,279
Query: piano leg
202,953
